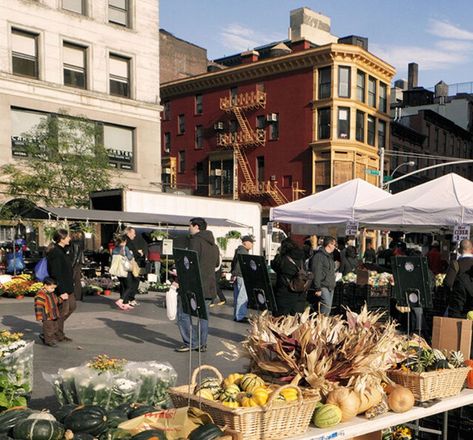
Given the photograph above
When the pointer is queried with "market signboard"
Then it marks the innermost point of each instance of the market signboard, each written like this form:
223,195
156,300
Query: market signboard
461,232
351,228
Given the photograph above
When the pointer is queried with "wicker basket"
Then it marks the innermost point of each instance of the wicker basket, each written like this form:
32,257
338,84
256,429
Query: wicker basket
271,422
432,384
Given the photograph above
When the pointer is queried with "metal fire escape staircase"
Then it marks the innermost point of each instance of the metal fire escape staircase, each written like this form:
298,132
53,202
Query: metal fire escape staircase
248,138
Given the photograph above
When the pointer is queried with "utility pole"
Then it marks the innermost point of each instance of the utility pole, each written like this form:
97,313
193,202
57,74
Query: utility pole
381,167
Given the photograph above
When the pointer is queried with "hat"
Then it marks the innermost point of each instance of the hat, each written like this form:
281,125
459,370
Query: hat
247,238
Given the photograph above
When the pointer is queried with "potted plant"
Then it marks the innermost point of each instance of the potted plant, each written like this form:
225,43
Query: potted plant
88,229
158,235
49,230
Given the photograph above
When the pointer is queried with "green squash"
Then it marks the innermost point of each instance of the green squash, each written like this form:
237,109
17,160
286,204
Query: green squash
208,431
139,410
5,437
115,417
83,436
10,417
91,419
152,434
37,429
126,407
64,411
116,434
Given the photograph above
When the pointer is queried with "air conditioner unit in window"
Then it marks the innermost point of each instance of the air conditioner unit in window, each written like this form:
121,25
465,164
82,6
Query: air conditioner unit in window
216,172
272,178
272,117
219,126
166,170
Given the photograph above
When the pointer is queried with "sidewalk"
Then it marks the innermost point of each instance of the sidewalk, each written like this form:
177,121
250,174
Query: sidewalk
144,333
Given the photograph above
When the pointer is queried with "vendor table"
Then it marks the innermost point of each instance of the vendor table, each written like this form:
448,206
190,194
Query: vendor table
361,425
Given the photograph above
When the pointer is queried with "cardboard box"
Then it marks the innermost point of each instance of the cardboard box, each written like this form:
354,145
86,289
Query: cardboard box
452,334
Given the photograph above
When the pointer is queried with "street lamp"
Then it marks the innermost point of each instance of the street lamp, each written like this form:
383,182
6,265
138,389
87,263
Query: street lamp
411,163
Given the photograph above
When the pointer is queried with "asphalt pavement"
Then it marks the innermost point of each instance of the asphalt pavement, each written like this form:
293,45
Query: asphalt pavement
145,333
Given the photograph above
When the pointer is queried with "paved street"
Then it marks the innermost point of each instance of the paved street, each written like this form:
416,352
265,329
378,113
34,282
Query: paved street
98,326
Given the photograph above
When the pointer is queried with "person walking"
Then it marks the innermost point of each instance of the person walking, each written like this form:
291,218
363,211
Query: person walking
286,264
202,242
323,268
240,295
134,281
126,282
460,265
76,249
218,276
60,268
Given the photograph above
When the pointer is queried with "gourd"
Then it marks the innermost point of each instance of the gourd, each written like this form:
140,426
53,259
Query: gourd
230,391
41,415
36,429
88,418
10,417
369,398
251,381
209,383
232,379
64,411
116,434
208,431
347,400
289,394
231,402
140,410
401,399
205,394
152,434
327,415
469,378
257,397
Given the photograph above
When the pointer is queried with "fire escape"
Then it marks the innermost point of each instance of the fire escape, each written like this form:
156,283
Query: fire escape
247,138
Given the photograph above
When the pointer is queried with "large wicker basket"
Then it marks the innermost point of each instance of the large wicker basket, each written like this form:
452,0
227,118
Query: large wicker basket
433,384
271,422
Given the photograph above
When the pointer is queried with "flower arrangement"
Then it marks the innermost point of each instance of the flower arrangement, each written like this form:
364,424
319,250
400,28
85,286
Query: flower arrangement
20,285
99,284
375,279
102,363
439,279
399,432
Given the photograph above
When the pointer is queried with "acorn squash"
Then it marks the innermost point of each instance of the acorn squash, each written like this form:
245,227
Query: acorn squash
37,429
115,434
115,417
64,411
152,434
91,419
208,431
10,417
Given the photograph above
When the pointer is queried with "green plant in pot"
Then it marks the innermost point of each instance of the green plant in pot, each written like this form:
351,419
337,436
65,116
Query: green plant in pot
49,231
87,228
158,235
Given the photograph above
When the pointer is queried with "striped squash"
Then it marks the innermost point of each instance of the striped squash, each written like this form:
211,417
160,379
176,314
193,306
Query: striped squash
37,429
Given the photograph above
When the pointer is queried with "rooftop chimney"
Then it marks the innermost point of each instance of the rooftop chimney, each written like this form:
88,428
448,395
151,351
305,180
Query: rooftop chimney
250,56
313,26
412,75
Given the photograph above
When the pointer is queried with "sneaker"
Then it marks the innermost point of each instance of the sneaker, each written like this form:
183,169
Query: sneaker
127,307
221,303
134,303
202,348
119,303
182,349
242,320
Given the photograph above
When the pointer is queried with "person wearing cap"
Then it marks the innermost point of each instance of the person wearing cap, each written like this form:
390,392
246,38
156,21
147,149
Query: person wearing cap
240,296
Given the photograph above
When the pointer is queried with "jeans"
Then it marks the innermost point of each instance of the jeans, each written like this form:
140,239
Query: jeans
157,269
240,299
326,299
184,322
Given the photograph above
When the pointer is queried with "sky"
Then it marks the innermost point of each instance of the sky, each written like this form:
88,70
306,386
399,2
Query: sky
436,34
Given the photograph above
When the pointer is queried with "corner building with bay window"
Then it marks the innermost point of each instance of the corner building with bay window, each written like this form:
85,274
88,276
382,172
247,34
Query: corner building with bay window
279,122
92,58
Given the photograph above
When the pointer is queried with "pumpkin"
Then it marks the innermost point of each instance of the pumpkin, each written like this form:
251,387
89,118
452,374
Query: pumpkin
10,417
152,434
347,400
88,418
205,394
209,383
37,429
327,416
116,434
469,378
231,391
141,410
251,381
64,411
41,415
289,394
209,431
401,399
257,397
232,379
369,398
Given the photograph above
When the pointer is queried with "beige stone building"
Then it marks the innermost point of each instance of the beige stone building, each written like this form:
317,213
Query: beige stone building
93,58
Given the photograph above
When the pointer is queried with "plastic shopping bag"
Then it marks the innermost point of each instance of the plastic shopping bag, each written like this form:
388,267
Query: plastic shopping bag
171,303
41,269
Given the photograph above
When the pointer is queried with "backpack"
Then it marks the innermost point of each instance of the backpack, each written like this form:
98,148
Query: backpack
301,281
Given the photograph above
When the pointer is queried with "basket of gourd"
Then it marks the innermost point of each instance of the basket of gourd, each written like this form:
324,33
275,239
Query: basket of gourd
246,403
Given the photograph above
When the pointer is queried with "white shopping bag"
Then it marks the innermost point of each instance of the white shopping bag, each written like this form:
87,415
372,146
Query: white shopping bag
171,303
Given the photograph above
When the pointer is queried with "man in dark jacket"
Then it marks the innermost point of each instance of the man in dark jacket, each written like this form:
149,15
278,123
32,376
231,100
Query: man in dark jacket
463,264
460,300
240,295
323,268
203,242
138,255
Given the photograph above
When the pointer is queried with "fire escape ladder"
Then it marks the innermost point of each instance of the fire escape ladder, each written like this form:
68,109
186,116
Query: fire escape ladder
277,195
249,178
249,135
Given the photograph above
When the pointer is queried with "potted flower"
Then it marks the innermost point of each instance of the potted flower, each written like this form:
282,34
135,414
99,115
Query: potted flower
87,229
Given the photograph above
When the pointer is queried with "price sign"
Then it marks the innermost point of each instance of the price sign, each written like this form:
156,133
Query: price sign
351,228
461,232
167,246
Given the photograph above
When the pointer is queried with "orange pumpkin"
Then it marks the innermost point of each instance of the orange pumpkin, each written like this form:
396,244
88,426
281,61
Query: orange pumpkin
469,378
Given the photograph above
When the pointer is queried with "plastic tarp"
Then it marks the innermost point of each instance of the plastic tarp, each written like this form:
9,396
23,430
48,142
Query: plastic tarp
334,206
431,206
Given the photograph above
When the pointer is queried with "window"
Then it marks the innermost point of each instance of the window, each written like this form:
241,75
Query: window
324,123
199,174
325,82
260,122
360,85
287,181
118,12
181,124
198,105
119,76
167,142
371,92
233,125
221,177
75,65
360,126
437,139
344,74
181,165
274,129
234,94
23,123
167,110
381,133
199,136
25,53
119,143
260,87
343,122
74,6
260,168
383,98
371,130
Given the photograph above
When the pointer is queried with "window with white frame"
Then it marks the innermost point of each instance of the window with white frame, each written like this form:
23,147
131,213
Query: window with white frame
344,81
343,123
119,12
120,75
77,6
75,65
25,53
371,91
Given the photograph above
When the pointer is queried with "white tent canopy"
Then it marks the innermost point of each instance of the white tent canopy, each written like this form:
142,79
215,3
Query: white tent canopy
440,203
334,206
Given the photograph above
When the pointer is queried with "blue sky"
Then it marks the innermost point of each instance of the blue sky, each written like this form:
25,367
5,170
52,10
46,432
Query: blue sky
436,34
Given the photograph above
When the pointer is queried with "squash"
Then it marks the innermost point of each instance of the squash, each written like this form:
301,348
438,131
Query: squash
115,434
369,398
401,399
231,403
115,417
41,415
347,400
327,416
209,383
10,417
251,381
257,397
152,434
83,436
34,429
91,419
289,394
205,394
140,410
64,411
231,391
469,378
208,431
232,379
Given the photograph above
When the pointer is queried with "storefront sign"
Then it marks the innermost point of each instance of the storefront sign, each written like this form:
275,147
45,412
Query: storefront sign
461,232
167,246
351,228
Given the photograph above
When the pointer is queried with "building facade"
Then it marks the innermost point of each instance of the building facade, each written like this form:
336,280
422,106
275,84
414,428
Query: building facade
98,59
300,120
